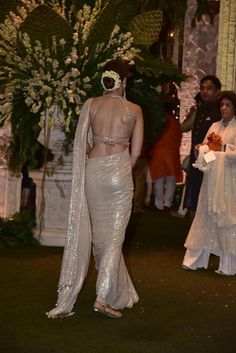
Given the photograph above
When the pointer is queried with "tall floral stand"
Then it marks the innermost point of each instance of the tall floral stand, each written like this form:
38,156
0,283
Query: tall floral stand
10,186
52,214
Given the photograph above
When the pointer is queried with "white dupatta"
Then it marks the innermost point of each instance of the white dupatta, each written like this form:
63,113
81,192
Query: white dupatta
77,249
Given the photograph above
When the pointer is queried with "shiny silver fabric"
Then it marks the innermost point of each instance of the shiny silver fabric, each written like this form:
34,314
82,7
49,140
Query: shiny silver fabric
78,239
109,212
109,192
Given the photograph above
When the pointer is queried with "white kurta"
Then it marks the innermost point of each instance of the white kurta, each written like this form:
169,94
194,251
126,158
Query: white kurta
214,227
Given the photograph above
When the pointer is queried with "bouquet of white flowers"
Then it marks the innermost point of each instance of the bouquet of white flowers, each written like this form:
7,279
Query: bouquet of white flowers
52,78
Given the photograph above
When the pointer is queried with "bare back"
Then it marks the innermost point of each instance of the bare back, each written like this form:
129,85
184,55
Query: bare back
113,121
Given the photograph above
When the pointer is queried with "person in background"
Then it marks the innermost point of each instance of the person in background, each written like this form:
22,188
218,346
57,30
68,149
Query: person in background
187,126
206,114
164,165
214,226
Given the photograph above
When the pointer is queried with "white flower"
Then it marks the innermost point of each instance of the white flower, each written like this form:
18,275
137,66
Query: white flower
70,95
48,101
68,60
46,88
75,72
86,79
6,108
75,38
55,64
35,107
28,101
62,42
33,95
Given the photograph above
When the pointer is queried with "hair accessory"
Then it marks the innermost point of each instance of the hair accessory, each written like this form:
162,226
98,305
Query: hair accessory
116,78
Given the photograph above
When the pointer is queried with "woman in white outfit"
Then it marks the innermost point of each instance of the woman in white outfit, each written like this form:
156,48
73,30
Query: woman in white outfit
213,230
101,197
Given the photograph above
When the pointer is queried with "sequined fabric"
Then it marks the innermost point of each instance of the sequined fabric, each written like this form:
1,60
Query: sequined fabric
78,240
109,192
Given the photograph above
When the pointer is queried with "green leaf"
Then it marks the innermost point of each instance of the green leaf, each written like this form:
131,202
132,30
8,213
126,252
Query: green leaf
158,68
43,23
113,12
25,130
146,27
141,93
6,7
17,230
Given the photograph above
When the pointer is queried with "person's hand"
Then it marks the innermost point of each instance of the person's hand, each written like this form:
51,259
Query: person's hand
196,149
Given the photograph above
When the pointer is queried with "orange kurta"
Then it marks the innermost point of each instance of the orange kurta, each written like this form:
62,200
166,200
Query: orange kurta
165,160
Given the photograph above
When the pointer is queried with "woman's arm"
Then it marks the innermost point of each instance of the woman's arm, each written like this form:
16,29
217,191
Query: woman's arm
137,136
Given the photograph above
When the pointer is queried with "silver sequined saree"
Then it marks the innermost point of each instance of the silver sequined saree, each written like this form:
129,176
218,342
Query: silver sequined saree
100,207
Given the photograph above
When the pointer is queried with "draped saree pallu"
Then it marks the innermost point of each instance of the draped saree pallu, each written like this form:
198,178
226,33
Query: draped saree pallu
102,191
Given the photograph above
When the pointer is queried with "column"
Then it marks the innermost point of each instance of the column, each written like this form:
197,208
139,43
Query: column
226,59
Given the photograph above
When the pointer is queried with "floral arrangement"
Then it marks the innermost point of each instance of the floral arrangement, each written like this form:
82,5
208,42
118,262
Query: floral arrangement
214,141
51,56
53,81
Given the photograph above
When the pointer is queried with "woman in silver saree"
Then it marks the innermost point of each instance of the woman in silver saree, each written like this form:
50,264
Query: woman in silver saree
101,197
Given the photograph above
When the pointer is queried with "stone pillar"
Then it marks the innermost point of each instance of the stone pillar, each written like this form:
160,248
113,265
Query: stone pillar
53,196
10,192
199,59
226,59
52,219
10,186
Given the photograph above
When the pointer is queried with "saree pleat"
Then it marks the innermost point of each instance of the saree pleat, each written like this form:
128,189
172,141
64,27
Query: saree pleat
109,192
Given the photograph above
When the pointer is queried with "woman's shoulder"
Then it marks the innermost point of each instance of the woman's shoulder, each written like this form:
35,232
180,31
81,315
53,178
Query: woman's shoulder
134,107
93,101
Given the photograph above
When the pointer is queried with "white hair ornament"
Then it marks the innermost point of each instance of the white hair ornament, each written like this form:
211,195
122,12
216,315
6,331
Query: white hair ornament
116,78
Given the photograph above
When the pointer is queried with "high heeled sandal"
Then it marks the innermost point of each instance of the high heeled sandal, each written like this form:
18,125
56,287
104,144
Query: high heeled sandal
106,309
59,316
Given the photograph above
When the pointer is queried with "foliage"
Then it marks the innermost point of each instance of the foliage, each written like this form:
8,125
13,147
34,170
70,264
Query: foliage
174,10
150,22
51,55
17,230
157,69
140,91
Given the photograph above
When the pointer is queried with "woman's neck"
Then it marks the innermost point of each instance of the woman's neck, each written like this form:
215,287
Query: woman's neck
116,93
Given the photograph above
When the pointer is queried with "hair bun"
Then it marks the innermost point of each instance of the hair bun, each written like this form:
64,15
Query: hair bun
110,80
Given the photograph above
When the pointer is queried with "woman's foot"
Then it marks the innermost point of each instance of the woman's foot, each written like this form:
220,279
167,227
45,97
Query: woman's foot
59,315
106,309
